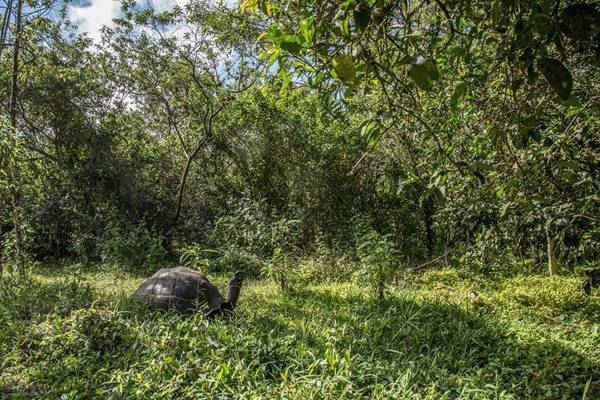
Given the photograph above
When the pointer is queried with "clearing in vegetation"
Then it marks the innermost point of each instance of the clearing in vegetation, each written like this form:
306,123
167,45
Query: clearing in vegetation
323,148
442,334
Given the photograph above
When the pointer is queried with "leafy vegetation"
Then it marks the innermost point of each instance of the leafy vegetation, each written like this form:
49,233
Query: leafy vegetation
443,334
207,125
394,178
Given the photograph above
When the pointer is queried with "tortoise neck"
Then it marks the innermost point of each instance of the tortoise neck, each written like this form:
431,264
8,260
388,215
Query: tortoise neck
235,285
234,294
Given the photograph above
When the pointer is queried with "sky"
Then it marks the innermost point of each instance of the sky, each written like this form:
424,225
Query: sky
91,15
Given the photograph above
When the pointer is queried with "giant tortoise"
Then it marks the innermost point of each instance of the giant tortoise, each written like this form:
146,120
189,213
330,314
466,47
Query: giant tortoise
185,290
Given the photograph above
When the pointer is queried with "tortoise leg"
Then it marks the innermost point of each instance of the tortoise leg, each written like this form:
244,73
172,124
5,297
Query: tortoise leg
212,314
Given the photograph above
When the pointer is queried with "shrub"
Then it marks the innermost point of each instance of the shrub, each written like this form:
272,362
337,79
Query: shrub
490,253
136,247
194,257
235,258
282,270
379,259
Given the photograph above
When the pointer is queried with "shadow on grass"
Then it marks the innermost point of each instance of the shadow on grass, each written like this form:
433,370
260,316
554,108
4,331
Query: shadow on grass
87,269
308,333
438,341
31,299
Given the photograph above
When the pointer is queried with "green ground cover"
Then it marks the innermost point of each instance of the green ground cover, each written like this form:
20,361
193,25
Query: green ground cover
441,335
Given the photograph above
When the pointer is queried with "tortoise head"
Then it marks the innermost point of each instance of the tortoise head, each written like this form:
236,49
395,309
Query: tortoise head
235,284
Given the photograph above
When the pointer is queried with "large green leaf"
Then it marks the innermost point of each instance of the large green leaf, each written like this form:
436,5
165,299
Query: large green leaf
459,92
307,31
557,75
424,72
287,42
344,68
290,43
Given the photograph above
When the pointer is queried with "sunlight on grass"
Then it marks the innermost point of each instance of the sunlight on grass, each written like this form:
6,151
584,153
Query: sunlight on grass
438,335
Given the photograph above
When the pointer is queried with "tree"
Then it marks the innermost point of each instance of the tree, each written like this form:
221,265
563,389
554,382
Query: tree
12,164
486,86
188,77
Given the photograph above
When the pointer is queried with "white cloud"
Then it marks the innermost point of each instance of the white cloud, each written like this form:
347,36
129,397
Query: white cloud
162,5
92,17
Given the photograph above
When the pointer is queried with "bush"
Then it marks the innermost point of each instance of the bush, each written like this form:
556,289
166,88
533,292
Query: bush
490,253
194,257
246,226
379,259
135,247
282,270
328,268
235,258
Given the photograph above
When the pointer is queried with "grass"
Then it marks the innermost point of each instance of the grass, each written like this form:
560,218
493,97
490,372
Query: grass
442,335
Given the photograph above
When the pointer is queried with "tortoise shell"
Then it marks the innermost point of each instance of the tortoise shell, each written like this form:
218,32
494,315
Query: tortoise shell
181,289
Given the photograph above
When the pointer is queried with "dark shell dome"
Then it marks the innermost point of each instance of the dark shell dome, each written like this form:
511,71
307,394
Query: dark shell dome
185,290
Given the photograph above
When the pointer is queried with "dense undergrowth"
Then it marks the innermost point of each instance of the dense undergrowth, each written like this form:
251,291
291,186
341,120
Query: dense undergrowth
441,335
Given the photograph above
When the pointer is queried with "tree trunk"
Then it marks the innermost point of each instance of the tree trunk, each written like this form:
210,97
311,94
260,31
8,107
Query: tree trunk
381,287
427,209
13,121
552,262
5,23
181,191
446,259
183,181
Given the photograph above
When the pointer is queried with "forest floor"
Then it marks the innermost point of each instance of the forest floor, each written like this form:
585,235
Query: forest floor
444,334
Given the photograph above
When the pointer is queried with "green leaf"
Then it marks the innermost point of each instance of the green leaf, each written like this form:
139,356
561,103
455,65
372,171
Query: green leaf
274,56
307,30
370,130
557,75
344,68
250,5
163,18
459,92
424,72
271,54
291,43
286,81
345,26
143,16
275,33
